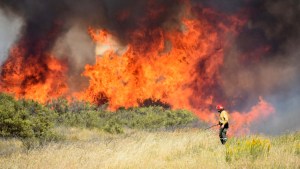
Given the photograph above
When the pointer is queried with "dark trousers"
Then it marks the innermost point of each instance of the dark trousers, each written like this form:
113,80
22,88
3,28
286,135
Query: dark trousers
222,134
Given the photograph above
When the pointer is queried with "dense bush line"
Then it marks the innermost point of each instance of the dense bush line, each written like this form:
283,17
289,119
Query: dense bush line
29,120
82,114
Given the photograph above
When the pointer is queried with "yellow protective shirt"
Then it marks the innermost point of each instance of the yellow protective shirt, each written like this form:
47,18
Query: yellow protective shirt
224,117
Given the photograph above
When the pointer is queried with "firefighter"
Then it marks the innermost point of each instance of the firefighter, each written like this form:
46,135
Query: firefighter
223,122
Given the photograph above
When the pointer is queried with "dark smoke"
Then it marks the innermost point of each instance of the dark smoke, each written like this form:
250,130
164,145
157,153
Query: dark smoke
45,22
263,60
40,17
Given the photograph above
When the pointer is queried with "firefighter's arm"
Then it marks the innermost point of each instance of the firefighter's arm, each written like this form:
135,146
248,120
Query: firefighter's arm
225,118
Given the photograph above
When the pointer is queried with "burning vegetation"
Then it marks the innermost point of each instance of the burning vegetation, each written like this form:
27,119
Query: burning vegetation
174,53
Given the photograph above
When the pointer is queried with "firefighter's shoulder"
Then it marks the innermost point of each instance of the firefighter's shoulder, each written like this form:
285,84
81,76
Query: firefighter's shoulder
225,113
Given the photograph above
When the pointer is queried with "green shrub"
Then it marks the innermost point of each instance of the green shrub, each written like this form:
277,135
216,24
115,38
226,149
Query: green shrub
153,118
113,127
63,106
25,119
85,119
41,117
74,113
83,114
33,121
60,105
13,119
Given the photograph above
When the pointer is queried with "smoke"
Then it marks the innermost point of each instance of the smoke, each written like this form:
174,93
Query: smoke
77,47
8,32
115,15
261,61
264,61
46,23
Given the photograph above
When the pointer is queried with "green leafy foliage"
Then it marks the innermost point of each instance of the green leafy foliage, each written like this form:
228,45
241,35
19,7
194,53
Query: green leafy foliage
25,119
34,122
83,114
153,118
13,121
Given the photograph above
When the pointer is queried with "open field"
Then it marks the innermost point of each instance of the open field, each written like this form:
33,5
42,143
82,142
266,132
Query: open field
190,148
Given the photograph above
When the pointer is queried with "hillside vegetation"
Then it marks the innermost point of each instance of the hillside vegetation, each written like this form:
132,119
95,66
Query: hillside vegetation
190,148
34,123
81,135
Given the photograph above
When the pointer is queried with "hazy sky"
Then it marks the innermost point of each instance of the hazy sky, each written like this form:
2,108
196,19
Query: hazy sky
9,28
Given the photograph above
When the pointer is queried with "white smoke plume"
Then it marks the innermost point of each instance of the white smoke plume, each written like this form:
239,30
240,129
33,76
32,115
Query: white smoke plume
9,31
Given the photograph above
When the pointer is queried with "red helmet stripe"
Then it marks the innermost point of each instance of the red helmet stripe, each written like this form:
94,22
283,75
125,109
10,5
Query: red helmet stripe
219,107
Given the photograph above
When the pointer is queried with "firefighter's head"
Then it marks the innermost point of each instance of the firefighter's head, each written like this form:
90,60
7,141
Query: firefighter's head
219,108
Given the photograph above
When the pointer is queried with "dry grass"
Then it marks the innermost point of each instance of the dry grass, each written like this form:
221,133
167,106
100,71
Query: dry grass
179,149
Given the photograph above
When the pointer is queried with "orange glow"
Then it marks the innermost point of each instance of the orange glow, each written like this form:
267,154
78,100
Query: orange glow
32,79
167,68
242,121
174,63
153,71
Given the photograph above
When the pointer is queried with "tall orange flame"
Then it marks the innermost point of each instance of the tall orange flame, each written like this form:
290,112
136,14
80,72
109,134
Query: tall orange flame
176,65
32,79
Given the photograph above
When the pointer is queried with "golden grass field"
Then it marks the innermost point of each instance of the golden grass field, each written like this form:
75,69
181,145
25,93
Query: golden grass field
190,148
